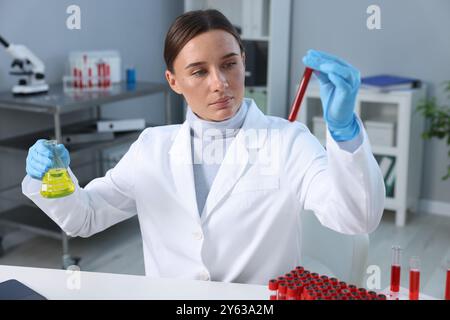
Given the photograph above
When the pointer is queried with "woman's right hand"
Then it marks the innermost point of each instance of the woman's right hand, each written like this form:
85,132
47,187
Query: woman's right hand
41,158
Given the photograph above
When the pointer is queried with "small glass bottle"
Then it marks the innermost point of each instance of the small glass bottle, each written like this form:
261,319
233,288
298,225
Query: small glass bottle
56,182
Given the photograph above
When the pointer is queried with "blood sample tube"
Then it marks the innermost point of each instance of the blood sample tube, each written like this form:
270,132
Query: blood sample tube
346,292
447,283
291,293
273,288
300,93
372,294
315,275
326,295
362,291
299,269
334,281
299,290
282,288
289,276
80,74
108,75
395,269
90,77
414,278
352,288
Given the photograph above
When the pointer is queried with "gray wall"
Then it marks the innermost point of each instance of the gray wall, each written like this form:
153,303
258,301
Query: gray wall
414,41
136,28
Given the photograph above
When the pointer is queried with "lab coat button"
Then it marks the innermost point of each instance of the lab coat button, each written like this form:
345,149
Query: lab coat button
198,235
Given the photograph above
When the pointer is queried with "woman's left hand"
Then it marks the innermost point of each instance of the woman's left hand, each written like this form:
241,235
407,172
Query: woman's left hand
339,85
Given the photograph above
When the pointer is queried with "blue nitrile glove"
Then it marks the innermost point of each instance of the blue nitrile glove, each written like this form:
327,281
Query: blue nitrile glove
41,158
339,84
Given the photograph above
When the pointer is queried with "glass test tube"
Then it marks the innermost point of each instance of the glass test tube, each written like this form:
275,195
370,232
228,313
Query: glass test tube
447,283
414,278
395,269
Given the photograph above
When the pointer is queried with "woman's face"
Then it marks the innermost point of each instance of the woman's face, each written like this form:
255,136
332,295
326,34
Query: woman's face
209,72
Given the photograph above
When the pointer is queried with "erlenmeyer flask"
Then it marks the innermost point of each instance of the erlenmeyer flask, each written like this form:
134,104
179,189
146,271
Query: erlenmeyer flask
56,182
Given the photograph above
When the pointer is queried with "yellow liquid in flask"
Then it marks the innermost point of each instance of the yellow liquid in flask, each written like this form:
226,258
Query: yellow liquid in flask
57,183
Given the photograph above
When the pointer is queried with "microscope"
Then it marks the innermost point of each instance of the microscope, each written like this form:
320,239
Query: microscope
28,67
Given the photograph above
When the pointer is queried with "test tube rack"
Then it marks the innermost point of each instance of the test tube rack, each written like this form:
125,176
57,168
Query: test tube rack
301,284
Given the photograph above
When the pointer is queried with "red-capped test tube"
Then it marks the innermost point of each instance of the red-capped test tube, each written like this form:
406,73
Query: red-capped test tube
395,269
282,288
447,283
273,288
414,278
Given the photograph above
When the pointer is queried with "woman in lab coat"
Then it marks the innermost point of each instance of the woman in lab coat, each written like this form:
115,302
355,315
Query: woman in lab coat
220,196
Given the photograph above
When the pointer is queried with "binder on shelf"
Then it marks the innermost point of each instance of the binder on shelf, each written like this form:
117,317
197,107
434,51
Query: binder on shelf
390,183
120,125
386,82
386,164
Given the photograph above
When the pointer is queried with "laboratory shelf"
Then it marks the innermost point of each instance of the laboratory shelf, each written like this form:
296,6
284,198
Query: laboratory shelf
58,102
30,219
55,103
21,144
394,129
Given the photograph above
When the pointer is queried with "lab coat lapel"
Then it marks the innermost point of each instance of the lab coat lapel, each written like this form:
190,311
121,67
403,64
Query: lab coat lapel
236,160
231,169
182,170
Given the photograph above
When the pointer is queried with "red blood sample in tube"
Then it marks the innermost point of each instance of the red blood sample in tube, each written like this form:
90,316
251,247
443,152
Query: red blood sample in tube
90,77
352,288
395,269
447,284
381,297
395,278
108,75
414,278
289,276
80,73
75,74
324,278
291,293
300,93
273,287
334,280
99,83
299,269
282,288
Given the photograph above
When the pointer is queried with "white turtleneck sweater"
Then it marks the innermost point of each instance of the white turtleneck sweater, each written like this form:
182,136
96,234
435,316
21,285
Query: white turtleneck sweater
209,142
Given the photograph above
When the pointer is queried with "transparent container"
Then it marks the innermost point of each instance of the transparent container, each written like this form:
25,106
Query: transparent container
56,182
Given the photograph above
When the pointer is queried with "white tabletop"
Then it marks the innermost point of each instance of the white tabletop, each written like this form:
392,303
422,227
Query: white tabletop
403,294
66,284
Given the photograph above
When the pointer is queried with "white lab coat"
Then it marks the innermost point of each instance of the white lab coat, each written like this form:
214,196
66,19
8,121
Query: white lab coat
250,228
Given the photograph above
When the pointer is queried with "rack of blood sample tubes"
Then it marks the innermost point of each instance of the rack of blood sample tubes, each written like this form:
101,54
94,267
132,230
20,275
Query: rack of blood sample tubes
89,76
301,284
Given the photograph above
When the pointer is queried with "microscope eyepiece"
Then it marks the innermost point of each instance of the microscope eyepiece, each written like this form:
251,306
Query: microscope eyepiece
4,42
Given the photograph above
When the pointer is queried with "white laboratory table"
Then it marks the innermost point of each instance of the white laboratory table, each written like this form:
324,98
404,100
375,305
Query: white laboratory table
56,284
